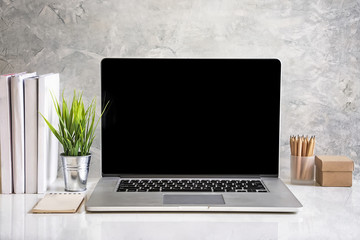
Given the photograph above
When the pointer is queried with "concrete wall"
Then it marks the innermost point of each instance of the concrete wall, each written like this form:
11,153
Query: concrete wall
318,43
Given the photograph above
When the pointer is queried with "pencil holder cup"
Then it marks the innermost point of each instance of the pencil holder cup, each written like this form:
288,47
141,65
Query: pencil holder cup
302,170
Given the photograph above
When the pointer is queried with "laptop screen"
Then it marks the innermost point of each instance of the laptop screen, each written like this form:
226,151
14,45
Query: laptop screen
190,116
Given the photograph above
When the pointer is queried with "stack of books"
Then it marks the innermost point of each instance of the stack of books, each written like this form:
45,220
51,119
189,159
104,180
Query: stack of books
28,149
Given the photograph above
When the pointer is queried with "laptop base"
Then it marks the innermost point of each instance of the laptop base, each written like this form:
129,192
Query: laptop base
105,198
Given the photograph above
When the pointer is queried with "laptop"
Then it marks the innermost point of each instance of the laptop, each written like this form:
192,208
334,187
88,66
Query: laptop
191,135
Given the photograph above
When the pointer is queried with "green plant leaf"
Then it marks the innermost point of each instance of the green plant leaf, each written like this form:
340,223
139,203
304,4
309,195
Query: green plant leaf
53,130
77,124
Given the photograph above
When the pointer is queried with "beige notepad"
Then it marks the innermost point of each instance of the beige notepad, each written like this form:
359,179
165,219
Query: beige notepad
59,203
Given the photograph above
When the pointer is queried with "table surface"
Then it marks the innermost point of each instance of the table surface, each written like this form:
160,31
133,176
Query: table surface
328,213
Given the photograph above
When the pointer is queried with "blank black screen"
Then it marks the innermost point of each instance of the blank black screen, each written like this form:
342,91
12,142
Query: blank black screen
190,116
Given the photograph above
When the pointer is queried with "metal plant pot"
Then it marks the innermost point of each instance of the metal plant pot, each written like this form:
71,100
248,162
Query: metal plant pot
76,170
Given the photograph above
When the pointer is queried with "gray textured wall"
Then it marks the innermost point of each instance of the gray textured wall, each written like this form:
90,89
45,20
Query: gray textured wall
318,43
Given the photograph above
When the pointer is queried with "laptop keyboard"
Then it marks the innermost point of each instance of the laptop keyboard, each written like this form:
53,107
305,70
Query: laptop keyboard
199,185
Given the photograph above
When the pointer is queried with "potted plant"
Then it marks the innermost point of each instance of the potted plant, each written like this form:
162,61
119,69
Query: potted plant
76,132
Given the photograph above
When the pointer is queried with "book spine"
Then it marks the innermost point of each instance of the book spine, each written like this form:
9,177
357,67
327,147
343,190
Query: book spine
5,135
42,140
17,119
31,141
47,142
52,169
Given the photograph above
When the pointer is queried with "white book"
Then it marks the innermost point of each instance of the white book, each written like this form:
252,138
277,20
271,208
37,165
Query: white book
5,135
18,130
31,138
48,153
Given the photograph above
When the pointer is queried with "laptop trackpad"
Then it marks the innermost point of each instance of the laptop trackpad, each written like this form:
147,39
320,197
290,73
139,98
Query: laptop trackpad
193,199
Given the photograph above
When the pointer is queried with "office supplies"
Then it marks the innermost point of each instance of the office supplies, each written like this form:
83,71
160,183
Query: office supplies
334,171
302,160
302,170
171,140
302,146
59,203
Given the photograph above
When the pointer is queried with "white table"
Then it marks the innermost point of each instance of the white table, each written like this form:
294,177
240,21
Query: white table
329,213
